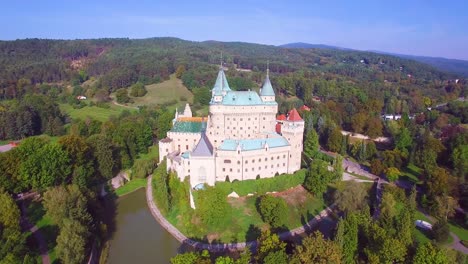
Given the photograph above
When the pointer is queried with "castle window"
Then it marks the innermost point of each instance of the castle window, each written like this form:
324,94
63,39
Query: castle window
167,150
271,158
253,161
246,162
245,169
252,169
259,160
224,169
231,169
284,164
249,119
272,166
284,156
241,119
266,159
266,166
277,165
277,157
238,170
264,118
186,147
227,161
227,127
259,168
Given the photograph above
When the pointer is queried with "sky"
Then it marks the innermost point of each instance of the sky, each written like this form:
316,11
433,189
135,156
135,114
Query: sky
429,28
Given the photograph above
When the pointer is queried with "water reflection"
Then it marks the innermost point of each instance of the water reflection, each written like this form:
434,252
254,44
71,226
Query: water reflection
138,238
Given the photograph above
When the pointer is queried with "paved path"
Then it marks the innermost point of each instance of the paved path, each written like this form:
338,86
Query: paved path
221,247
456,244
37,234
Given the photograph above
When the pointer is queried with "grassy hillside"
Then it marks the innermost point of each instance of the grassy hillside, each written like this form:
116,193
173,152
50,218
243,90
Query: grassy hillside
93,112
165,92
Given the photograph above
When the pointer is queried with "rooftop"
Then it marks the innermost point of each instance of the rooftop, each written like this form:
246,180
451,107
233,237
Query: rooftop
253,144
203,148
188,126
293,115
243,98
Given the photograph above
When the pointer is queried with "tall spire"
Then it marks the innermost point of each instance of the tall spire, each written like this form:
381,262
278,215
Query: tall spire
267,89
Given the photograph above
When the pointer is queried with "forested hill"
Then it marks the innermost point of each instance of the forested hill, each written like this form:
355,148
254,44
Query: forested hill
459,67
117,63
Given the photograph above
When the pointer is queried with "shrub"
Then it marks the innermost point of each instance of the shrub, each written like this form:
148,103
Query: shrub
137,90
142,168
441,231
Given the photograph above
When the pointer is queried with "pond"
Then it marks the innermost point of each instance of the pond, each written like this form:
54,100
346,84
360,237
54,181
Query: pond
138,237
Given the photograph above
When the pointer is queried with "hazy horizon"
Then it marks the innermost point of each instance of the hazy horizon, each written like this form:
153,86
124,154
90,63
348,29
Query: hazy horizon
417,28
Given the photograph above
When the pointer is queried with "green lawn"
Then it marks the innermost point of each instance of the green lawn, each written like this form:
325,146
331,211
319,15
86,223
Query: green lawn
131,186
411,173
167,91
4,142
153,153
246,222
93,112
36,215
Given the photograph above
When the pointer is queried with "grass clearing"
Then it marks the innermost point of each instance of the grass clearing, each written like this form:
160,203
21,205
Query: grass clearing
165,92
411,173
36,215
131,186
93,112
153,153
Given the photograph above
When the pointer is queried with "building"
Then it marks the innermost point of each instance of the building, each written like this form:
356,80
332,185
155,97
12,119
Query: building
240,139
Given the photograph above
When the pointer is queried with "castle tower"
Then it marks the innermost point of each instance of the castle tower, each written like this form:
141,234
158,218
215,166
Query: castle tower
293,130
220,88
266,92
187,111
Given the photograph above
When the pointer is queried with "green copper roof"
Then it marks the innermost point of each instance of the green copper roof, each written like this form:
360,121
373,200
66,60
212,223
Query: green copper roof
267,89
240,98
253,144
188,127
221,83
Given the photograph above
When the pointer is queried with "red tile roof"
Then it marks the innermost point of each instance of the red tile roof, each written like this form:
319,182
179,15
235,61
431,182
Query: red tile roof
293,115
281,117
278,128
304,108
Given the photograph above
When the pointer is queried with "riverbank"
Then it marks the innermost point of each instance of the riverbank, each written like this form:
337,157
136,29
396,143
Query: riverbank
222,247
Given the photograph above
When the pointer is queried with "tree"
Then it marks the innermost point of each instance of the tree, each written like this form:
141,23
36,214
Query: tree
122,96
12,241
377,167
404,141
374,127
213,207
311,144
437,184
138,90
185,258
334,140
180,71
47,166
460,161
273,210
65,203
71,242
103,154
392,174
445,207
429,254
352,198
316,249
161,187
318,177
441,231
358,121
267,244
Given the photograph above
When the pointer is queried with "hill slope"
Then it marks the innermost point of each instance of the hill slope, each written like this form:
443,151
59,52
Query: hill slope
459,67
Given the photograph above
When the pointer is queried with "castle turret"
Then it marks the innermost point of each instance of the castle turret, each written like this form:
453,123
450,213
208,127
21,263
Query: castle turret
293,130
220,88
187,111
267,93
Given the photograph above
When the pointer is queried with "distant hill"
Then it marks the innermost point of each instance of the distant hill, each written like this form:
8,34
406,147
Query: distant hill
302,45
449,65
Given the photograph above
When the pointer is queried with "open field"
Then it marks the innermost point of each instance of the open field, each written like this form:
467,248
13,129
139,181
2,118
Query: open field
165,92
93,112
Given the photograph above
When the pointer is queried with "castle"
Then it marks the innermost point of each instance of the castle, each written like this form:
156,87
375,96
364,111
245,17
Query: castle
241,138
